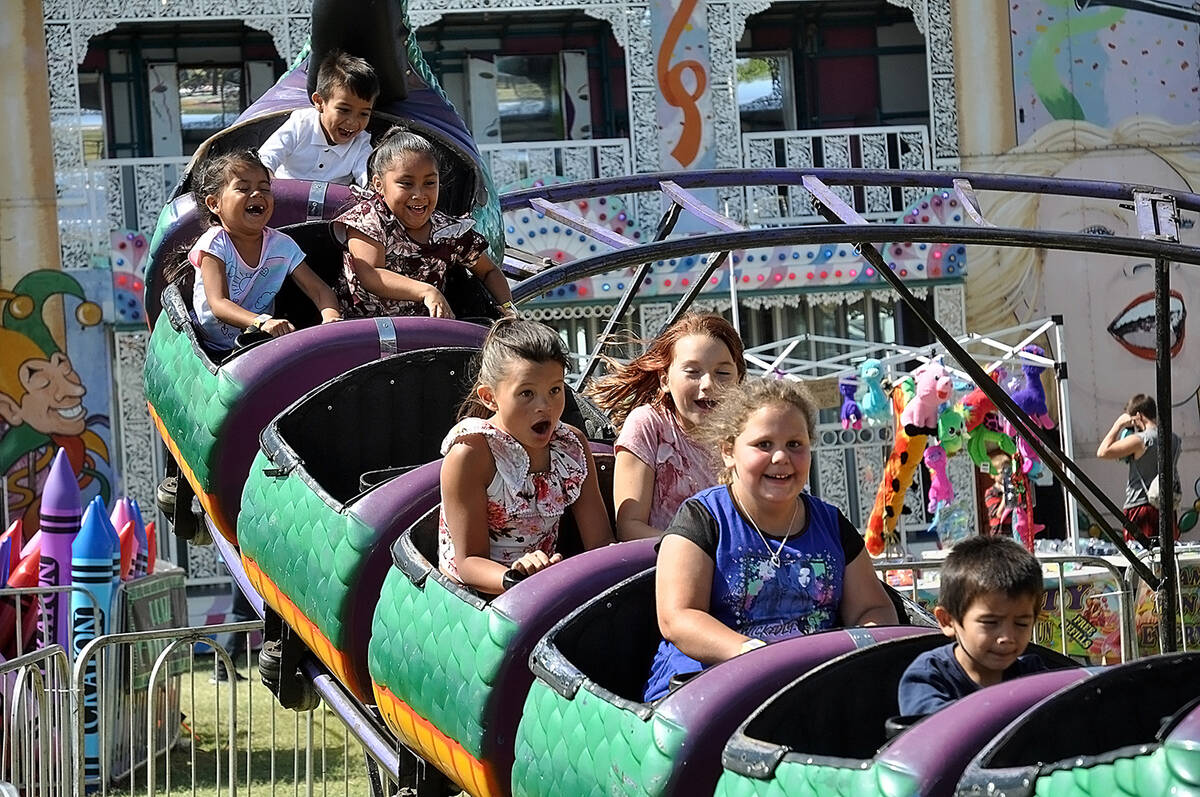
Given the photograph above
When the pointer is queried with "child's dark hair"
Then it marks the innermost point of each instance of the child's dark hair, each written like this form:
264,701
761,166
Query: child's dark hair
739,402
1143,404
211,175
511,339
979,565
396,142
637,382
345,71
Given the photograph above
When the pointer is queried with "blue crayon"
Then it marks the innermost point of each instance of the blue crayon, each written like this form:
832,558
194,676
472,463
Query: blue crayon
141,557
91,569
113,539
5,553
59,516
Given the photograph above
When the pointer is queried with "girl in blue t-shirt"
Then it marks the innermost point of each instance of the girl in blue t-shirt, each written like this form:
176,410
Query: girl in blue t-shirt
756,559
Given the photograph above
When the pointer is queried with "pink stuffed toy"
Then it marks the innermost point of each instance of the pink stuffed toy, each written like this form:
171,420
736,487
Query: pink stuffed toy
940,489
920,416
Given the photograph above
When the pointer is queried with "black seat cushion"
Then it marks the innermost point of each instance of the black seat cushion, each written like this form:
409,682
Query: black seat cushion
612,641
388,414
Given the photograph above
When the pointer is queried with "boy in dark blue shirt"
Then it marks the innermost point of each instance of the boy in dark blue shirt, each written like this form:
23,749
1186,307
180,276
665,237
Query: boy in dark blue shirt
990,594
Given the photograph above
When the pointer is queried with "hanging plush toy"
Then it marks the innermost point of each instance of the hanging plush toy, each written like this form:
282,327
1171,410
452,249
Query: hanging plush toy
851,414
871,399
920,416
989,433
1031,398
897,477
984,428
1024,527
952,424
940,489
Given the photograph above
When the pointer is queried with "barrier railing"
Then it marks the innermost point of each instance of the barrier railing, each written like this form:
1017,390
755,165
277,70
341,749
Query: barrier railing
34,753
207,724
1087,612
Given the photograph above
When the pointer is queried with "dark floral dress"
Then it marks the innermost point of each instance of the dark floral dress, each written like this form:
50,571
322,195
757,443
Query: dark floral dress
452,243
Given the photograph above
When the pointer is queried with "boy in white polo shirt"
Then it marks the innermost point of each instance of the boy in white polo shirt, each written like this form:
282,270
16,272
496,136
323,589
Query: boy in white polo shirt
328,142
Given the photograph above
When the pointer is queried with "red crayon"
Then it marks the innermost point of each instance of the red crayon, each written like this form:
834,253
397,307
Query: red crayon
128,550
25,575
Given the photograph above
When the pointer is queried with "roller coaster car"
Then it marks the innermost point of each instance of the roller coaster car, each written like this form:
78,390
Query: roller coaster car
342,473
791,743
586,730
1132,730
449,667
210,409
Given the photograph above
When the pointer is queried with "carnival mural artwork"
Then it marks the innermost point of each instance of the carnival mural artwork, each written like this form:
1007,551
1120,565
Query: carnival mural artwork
684,95
1099,91
54,387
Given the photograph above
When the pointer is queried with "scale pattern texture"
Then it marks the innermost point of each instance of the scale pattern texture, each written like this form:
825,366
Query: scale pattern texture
795,779
588,747
312,553
438,654
1173,768
192,402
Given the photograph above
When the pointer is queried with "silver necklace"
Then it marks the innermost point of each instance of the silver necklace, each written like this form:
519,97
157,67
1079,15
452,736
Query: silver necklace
778,552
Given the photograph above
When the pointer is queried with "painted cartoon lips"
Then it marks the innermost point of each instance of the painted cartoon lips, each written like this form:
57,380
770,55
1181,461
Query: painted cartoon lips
1134,327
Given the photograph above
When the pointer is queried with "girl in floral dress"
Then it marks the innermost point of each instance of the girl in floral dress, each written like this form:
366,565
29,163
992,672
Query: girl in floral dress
658,399
512,467
399,246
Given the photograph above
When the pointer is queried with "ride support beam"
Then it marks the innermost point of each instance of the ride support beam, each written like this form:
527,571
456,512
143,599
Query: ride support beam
1158,220
834,209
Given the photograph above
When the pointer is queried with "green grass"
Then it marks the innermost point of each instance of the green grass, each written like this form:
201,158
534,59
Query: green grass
270,745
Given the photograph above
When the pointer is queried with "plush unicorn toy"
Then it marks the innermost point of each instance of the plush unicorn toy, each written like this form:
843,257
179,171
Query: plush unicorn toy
871,399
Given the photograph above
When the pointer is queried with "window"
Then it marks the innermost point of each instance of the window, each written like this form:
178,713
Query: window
210,99
764,92
529,96
91,111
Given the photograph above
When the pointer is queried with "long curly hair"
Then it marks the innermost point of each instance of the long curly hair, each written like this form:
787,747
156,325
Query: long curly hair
632,384
738,403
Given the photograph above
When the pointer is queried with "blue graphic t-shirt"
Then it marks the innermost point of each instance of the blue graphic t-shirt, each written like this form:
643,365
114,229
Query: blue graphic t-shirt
750,594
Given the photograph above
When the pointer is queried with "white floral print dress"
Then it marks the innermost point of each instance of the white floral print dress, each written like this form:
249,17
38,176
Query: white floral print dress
524,508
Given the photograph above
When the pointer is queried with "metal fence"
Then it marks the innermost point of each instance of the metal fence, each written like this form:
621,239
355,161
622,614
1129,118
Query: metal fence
166,712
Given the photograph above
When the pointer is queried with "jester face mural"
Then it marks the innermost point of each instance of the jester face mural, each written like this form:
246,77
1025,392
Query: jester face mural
42,395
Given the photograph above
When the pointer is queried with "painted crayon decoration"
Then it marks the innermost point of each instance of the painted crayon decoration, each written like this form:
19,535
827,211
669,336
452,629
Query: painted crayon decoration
121,517
113,539
5,549
152,547
15,536
128,550
26,575
142,555
34,542
91,569
60,514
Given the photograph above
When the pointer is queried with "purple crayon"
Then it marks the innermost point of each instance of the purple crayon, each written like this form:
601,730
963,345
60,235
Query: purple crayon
60,516
142,555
